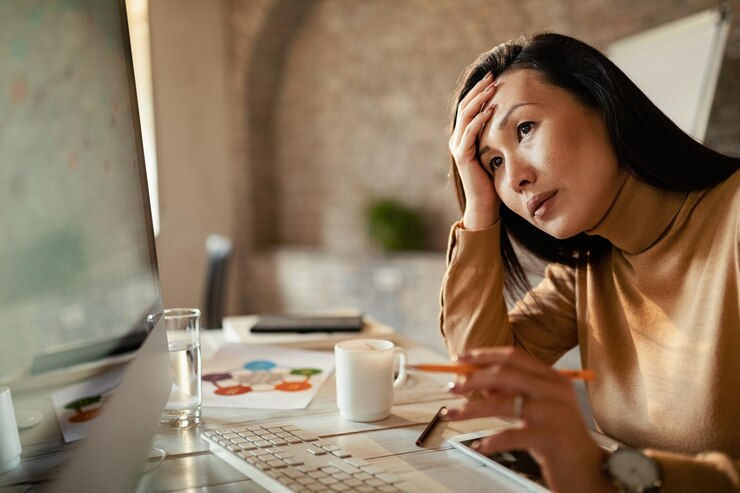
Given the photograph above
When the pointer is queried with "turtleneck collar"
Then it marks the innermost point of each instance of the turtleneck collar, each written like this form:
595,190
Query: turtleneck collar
639,216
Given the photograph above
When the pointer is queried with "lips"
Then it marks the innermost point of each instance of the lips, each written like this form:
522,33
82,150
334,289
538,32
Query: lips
537,204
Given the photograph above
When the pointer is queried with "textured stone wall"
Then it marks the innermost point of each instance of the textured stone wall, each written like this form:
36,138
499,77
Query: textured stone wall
340,101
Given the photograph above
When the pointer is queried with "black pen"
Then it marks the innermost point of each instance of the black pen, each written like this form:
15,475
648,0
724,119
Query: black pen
428,429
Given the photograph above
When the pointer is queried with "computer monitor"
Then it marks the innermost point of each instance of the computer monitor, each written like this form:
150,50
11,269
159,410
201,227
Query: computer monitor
78,267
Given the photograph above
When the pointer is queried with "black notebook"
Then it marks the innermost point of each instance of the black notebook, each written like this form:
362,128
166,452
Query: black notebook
304,324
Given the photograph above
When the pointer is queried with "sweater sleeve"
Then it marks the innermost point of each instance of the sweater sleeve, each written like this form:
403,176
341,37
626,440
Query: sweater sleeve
473,310
711,471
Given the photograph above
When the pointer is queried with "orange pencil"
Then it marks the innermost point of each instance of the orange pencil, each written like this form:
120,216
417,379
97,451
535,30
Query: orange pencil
464,369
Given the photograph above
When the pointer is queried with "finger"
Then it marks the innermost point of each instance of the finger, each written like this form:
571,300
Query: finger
509,380
474,107
469,138
463,144
498,405
477,89
509,439
507,355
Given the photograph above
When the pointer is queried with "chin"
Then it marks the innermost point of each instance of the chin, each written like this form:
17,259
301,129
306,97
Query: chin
560,231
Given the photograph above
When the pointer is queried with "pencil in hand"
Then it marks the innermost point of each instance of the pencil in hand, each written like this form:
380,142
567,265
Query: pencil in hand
465,369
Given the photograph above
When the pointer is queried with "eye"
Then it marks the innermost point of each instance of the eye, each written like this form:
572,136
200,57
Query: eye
523,129
495,163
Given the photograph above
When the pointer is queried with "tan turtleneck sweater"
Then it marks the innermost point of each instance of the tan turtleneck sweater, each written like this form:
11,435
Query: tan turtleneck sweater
657,318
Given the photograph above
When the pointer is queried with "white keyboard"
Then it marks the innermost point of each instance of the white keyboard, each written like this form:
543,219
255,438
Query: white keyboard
287,459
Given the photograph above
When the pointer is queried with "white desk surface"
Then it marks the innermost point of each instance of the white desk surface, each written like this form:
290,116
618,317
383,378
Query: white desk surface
390,443
435,467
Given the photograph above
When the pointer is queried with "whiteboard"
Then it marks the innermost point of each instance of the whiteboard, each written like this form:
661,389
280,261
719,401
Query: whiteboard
677,65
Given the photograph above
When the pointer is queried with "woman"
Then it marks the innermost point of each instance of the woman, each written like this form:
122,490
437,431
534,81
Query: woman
555,148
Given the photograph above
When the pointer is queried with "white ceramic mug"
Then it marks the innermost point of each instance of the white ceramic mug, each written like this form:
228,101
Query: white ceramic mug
10,444
364,374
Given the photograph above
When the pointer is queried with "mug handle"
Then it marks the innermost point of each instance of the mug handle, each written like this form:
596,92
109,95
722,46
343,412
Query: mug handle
401,378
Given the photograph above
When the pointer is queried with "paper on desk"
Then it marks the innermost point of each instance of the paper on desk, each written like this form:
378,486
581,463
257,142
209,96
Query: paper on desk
78,405
264,377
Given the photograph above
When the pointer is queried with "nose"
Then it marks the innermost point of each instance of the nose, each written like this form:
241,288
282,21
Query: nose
520,175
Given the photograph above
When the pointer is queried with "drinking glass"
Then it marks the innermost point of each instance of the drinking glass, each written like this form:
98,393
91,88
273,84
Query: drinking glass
183,338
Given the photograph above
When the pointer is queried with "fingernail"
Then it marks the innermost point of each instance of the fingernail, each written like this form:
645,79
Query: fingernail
443,412
490,86
488,75
475,445
454,358
450,386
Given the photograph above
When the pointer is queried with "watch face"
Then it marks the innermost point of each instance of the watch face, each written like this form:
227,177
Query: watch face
633,469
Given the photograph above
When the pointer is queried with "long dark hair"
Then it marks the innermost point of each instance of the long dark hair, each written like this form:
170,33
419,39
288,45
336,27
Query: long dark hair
647,143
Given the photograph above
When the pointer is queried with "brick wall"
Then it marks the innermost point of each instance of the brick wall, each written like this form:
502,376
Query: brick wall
340,101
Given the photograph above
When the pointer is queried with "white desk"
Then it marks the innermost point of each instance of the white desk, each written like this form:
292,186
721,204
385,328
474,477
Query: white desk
389,443
190,466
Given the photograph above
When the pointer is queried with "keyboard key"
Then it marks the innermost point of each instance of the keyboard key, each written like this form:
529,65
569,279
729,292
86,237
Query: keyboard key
341,454
357,462
352,482
305,480
293,473
307,468
329,447
263,443
231,435
292,439
374,482
209,434
339,487
315,451
388,478
306,438
278,442
362,476
267,436
291,461
372,470
248,446
277,464
365,488
328,480
316,487
341,464
388,489
274,429
233,448
341,476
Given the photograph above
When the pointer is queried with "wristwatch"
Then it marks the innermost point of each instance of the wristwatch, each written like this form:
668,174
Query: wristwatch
631,471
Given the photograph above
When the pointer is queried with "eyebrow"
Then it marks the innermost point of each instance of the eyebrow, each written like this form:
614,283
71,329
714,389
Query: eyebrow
503,122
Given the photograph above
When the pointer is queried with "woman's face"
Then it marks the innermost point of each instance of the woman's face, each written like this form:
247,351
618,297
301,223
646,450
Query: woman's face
550,157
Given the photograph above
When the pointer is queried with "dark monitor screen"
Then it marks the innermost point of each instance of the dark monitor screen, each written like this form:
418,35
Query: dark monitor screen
77,261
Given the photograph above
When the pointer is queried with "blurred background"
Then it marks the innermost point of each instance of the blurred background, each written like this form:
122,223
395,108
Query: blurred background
301,128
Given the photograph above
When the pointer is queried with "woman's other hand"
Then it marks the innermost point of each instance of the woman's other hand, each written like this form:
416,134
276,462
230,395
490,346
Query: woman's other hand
473,111
512,384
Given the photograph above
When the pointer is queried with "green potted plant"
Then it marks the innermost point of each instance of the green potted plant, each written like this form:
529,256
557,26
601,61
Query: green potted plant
394,226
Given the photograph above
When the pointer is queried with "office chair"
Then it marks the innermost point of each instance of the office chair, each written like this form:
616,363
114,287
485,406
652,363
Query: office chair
218,251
